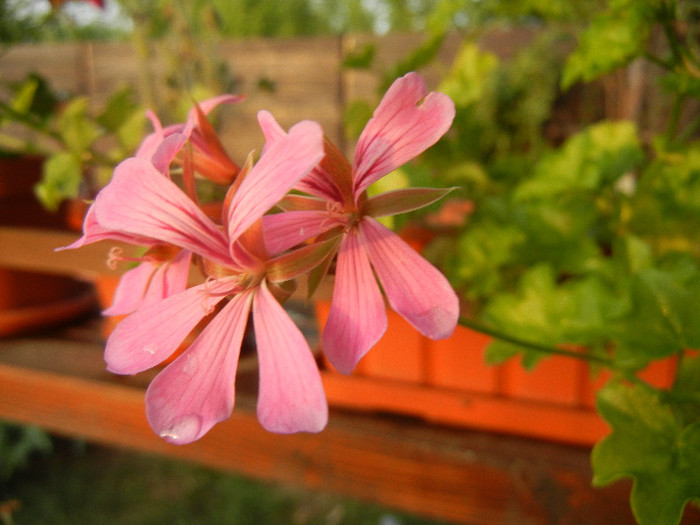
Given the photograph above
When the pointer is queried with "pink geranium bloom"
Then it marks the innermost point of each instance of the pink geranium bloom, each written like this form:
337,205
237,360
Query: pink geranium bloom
196,390
164,269
407,121
208,155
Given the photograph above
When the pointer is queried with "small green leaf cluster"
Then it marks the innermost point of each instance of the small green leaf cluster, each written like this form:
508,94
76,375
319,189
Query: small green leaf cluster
81,144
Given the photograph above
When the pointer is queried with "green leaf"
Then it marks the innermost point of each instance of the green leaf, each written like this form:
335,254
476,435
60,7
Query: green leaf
613,39
61,178
119,108
302,260
361,58
600,154
24,95
482,254
686,388
533,314
663,318
648,445
77,130
466,82
131,131
355,117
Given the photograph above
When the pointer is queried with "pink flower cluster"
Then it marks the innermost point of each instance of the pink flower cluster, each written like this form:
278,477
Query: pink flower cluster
251,257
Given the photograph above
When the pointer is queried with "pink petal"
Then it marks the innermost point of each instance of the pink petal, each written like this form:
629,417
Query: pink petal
140,201
357,319
93,232
131,289
291,396
150,283
285,162
151,334
271,129
414,287
209,104
407,121
288,229
175,274
166,151
320,184
317,182
196,391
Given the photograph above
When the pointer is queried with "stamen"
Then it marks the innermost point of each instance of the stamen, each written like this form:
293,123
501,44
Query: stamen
114,256
208,291
336,213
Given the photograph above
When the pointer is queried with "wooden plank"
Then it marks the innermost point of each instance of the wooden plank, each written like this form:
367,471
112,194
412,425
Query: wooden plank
34,250
60,62
462,476
294,79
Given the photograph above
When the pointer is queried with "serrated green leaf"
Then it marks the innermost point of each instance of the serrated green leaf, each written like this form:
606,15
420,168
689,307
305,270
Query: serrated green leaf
648,445
498,352
481,255
646,332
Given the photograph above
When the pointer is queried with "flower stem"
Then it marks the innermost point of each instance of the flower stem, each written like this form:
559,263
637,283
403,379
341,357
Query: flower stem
539,347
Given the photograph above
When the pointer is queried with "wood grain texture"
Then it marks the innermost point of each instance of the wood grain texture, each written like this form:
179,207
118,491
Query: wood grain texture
58,381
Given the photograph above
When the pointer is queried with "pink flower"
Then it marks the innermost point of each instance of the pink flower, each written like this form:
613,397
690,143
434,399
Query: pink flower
208,155
196,390
407,121
164,269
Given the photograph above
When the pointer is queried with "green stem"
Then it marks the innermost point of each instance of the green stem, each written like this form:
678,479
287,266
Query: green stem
667,18
665,64
690,128
28,121
539,347
674,119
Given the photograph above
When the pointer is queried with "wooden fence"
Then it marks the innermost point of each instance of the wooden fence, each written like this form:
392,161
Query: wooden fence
295,79
307,76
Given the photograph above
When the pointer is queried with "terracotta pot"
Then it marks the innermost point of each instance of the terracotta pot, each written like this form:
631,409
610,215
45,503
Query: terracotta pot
31,300
18,204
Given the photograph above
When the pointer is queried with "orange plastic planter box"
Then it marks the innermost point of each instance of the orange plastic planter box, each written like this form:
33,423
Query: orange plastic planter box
448,382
